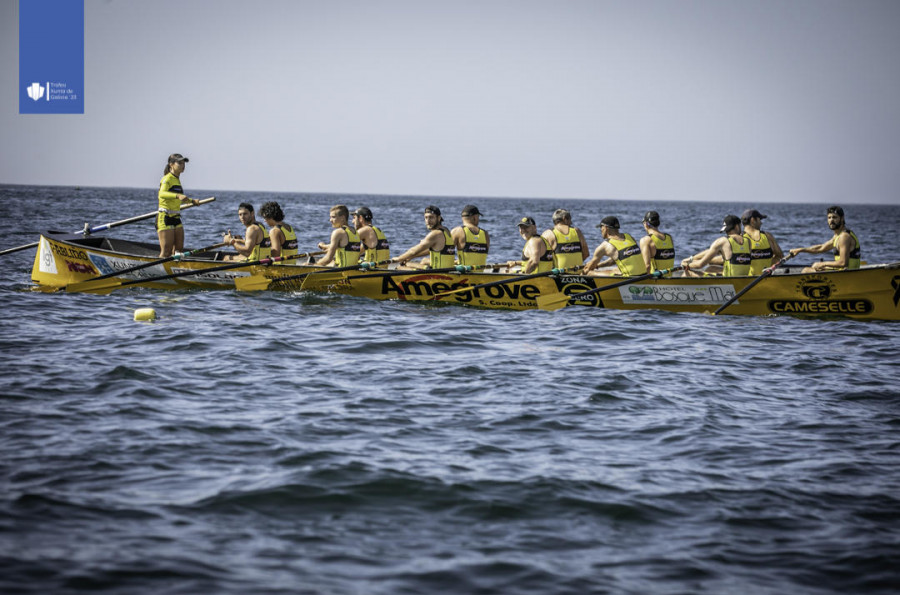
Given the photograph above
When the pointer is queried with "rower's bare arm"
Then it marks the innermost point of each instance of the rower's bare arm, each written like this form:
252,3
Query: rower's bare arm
818,249
421,248
647,251
277,238
777,253
599,253
704,257
584,246
331,248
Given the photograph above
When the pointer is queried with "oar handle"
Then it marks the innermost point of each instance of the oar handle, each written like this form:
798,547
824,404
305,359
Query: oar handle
88,230
750,285
177,256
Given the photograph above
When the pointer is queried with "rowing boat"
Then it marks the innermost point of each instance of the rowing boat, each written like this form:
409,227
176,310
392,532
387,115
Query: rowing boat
63,260
871,292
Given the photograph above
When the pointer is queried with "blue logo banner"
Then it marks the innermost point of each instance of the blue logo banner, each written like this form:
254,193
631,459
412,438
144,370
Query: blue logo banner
51,56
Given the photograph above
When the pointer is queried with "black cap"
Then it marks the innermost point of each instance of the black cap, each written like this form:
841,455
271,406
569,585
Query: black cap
652,217
433,210
364,212
729,222
470,210
524,221
610,222
749,214
176,157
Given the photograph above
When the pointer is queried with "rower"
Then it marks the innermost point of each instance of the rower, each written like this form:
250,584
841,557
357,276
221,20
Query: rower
734,248
764,250
343,249
282,236
619,248
255,244
168,220
373,242
437,244
472,243
537,257
567,242
657,247
844,243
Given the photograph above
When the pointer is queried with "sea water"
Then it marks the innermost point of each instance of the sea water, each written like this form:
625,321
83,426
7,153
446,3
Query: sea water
303,443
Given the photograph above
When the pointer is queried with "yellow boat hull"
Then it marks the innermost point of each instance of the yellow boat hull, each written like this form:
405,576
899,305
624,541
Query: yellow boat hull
62,260
868,293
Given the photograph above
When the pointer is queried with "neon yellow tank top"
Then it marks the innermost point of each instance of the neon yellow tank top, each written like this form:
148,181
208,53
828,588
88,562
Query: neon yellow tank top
665,253
474,251
545,262
445,258
382,249
349,254
169,189
264,248
739,265
568,249
289,247
853,262
761,254
629,261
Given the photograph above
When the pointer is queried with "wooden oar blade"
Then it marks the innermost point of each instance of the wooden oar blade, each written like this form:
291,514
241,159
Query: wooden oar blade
101,287
252,283
553,301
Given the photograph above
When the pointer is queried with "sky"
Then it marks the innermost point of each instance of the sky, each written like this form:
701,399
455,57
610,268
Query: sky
719,100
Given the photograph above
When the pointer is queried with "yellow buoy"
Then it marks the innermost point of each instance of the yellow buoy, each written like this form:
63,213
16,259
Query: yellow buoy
142,314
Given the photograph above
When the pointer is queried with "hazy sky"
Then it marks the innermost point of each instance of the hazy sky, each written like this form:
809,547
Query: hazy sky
748,101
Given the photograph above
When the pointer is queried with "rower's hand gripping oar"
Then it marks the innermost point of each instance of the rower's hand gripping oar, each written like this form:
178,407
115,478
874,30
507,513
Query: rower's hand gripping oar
260,283
176,256
750,285
108,285
87,230
550,273
560,300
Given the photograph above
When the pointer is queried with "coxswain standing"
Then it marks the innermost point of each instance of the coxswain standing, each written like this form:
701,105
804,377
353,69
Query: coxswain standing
171,196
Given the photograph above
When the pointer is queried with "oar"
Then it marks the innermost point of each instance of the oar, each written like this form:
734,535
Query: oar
460,268
549,273
558,300
108,285
176,256
260,283
86,230
750,285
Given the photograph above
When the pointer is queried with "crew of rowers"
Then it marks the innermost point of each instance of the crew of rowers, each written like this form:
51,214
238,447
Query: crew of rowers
745,249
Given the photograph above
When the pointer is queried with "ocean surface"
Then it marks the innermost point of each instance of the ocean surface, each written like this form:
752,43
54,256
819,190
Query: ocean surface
297,443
